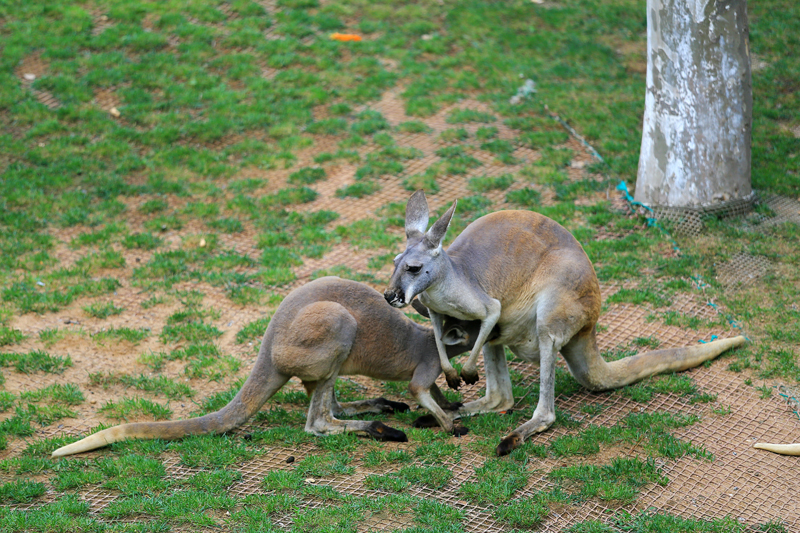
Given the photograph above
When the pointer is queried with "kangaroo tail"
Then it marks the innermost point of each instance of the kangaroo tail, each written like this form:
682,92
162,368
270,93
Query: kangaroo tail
783,449
596,374
263,382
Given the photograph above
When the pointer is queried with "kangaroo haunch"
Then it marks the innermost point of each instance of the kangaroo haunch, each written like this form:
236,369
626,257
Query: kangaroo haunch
525,273
326,328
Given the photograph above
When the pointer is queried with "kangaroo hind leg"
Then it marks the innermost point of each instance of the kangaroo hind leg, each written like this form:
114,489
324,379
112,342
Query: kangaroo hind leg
321,420
374,405
545,413
314,348
499,396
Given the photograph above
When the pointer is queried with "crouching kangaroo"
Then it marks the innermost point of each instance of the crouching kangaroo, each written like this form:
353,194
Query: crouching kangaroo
326,328
525,274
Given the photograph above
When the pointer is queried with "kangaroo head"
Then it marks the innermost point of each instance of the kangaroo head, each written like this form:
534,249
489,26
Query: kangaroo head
459,336
422,262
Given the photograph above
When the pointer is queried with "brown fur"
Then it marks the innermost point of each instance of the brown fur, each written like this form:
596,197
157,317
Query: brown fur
328,327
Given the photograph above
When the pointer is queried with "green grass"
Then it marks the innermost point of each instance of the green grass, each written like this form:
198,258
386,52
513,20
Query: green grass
102,310
158,385
488,183
134,336
212,451
433,477
128,408
68,394
253,331
35,361
619,481
21,491
10,336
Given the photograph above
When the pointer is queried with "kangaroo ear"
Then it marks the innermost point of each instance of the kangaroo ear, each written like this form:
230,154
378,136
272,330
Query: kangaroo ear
416,215
419,308
454,335
436,234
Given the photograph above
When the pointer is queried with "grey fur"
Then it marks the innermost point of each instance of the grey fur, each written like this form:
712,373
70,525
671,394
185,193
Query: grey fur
528,280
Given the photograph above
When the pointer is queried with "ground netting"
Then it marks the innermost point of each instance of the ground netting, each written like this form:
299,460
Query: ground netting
749,485
759,211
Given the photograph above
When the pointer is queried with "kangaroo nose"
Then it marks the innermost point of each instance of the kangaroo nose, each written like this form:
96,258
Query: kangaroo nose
389,296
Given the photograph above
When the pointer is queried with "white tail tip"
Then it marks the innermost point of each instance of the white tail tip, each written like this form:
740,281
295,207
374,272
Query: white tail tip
783,449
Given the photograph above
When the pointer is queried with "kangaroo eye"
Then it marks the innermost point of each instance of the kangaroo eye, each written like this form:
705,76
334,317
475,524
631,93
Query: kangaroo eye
413,268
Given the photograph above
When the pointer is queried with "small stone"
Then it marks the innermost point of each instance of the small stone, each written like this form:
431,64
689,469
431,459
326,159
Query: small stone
202,243
114,112
290,459
29,76
310,480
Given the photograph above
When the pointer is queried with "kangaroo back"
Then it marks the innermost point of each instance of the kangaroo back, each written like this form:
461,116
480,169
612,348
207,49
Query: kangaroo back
515,255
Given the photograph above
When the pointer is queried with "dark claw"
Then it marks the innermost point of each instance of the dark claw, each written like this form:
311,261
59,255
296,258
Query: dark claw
453,406
380,431
470,379
425,421
393,407
509,444
454,383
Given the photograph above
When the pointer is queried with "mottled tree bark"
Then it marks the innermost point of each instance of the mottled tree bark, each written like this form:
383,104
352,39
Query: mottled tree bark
698,107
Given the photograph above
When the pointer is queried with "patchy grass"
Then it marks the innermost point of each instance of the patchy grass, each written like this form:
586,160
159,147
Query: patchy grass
128,408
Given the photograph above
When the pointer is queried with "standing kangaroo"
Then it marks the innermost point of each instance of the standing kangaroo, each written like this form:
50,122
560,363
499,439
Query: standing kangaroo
326,328
525,274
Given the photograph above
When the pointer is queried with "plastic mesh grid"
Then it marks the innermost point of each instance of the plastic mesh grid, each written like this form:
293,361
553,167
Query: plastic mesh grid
770,210
742,268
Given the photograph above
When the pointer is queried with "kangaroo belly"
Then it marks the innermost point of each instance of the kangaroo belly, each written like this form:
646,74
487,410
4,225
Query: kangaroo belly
527,352
386,369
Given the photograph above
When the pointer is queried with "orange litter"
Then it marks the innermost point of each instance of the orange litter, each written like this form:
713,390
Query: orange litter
344,37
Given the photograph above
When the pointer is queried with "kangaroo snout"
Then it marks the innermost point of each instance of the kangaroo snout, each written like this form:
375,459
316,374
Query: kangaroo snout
394,299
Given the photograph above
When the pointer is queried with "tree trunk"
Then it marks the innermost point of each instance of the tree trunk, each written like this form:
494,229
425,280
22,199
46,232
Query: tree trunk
698,107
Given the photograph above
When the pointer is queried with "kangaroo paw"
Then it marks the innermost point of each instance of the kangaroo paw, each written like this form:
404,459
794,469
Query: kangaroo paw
425,421
460,431
453,380
470,378
452,406
388,406
380,431
509,444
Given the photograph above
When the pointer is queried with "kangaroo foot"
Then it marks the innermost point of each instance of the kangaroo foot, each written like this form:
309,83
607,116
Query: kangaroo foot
425,421
380,431
470,377
488,404
509,444
452,406
453,379
388,406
